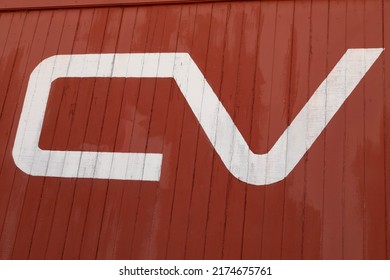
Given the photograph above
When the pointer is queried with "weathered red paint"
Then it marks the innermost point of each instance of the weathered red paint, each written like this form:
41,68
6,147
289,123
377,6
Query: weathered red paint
263,59
60,4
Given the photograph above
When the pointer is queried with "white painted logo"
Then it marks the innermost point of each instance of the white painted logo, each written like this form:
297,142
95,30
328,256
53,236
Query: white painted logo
228,142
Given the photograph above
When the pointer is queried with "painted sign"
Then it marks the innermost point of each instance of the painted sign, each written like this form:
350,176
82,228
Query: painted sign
207,130
225,137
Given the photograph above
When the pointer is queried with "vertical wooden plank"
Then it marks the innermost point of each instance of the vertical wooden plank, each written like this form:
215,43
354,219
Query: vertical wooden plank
168,21
16,185
274,196
243,112
6,69
334,144
161,106
163,210
110,223
100,122
253,232
49,30
5,20
313,211
221,179
295,182
56,134
354,197
141,40
65,198
83,187
5,26
375,193
201,188
142,118
189,131
144,217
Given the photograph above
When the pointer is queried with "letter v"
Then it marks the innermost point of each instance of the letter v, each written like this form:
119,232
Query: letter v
264,169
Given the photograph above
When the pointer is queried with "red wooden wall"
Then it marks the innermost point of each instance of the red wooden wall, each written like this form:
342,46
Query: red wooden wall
264,59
